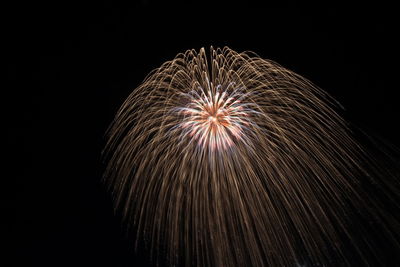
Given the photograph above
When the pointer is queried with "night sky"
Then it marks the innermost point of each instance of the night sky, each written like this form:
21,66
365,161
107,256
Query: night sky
71,64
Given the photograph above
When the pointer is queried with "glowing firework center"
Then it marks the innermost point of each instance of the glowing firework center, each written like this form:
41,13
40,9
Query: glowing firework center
215,118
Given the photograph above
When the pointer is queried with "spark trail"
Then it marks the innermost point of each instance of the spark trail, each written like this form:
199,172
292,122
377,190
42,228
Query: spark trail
234,160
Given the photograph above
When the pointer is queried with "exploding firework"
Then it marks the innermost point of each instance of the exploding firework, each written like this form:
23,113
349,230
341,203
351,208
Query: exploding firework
233,160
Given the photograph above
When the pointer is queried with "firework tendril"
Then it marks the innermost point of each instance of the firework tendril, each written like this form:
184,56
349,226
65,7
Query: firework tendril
234,160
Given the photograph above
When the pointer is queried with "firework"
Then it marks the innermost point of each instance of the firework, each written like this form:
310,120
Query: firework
233,160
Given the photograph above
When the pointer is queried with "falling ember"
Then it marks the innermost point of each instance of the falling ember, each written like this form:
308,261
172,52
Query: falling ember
234,160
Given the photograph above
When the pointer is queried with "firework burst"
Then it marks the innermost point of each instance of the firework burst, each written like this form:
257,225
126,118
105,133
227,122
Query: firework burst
234,160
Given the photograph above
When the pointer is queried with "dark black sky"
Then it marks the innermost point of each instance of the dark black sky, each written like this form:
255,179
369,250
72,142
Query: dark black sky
70,65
